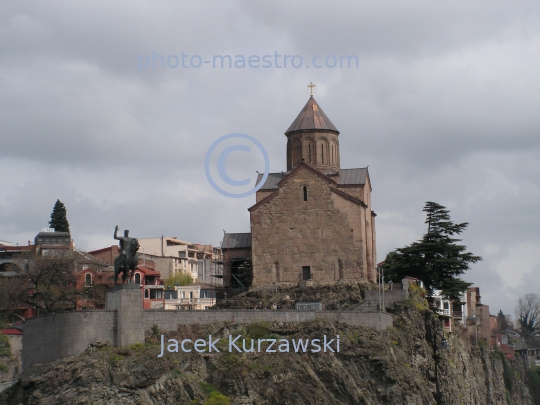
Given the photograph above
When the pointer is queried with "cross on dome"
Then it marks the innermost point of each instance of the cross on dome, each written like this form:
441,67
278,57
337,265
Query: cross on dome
311,85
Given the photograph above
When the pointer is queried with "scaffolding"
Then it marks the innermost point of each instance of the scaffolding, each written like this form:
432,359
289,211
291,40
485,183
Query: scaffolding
237,271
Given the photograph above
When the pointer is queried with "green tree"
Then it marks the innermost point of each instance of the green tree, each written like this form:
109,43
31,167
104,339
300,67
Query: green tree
504,321
47,283
437,259
528,314
59,218
178,279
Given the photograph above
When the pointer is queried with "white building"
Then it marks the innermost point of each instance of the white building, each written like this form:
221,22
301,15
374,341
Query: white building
197,296
171,256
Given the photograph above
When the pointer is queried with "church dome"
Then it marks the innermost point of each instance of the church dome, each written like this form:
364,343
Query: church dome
311,118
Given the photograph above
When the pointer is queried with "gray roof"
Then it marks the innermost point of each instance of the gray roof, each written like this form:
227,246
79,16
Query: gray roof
236,240
352,176
271,182
311,117
53,234
346,177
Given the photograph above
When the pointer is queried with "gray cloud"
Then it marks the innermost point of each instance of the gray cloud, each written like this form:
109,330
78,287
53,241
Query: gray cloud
444,107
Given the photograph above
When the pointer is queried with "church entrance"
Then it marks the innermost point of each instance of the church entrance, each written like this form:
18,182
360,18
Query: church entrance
241,273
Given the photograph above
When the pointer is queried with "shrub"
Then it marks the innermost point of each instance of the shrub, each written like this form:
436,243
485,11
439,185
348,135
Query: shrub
258,330
217,398
5,348
508,371
178,279
533,382
116,357
207,388
214,396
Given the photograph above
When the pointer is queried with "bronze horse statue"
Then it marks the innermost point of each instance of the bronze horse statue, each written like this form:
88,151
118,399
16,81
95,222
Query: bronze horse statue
127,261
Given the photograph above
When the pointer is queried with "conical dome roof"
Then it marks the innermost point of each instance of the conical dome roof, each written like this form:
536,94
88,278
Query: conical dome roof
311,117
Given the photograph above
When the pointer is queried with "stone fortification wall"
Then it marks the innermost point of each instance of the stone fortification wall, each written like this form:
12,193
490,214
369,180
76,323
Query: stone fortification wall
128,303
50,337
170,320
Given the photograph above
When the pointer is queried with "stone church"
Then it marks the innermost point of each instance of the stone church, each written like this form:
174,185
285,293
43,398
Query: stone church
313,223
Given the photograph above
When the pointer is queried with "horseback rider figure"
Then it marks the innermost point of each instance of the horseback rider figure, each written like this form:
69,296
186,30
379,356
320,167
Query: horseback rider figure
127,259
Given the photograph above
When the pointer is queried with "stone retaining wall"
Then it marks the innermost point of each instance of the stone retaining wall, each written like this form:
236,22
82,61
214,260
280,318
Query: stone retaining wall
170,320
50,337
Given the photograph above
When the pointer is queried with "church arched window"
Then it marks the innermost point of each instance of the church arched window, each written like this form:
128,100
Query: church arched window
88,280
309,154
305,193
296,153
137,278
335,153
340,267
322,154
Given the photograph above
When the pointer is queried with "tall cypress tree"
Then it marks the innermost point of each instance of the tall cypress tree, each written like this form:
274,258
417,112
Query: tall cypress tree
59,218
437,259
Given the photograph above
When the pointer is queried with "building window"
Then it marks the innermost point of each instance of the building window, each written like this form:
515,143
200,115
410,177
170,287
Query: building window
305,193
88,280
146,295
205,294
156,294
306,273
309,154
138,278
183,294
322,154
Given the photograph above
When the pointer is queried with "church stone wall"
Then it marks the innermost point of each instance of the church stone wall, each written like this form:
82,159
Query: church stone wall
261,195
324,233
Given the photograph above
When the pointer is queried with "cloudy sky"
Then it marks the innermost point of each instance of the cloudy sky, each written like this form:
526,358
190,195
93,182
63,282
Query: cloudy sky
444,106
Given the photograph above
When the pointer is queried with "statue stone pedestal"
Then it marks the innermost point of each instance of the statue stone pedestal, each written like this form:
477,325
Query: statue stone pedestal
127,301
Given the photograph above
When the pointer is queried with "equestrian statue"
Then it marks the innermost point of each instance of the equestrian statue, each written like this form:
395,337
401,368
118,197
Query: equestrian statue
128,259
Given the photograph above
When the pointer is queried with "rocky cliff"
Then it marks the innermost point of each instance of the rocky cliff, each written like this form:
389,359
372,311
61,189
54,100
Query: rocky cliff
401,365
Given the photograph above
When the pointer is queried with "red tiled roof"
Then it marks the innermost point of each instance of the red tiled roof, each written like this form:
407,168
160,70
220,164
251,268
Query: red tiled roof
11,332
103,249
16,248
148,272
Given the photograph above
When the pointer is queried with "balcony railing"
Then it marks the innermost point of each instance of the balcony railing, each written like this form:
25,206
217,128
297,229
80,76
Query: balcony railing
180,301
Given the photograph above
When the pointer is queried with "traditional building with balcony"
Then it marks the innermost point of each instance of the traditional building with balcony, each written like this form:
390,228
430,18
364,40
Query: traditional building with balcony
198,296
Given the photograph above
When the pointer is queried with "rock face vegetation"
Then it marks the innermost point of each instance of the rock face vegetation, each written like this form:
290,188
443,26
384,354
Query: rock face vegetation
395,366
